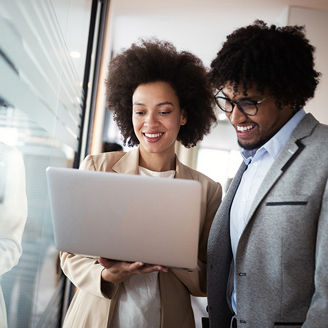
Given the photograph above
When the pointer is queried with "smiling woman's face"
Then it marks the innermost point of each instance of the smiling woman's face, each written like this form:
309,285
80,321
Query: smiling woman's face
156,117
255,131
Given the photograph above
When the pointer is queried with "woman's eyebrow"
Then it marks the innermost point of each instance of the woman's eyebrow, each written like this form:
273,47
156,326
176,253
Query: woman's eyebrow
165,103
158,105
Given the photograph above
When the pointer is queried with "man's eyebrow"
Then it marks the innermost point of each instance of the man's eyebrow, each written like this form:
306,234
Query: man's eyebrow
225,94
138,104
242,98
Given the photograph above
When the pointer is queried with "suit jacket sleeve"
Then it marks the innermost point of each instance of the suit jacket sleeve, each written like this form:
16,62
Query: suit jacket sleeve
318,311
85,272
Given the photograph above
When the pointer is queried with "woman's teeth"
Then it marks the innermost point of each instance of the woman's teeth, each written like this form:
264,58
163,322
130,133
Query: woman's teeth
153,135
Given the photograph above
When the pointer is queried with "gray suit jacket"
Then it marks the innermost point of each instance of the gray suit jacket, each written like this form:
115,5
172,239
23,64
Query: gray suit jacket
282,255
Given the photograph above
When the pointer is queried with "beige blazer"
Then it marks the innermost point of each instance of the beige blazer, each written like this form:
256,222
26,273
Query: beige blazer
94,302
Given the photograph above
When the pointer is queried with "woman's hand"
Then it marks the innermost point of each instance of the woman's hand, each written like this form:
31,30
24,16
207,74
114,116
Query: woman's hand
117,271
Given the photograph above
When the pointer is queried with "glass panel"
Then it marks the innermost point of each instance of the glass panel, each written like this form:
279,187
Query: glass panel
42,54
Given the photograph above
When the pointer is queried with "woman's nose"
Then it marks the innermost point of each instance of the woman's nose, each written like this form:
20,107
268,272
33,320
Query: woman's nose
150,119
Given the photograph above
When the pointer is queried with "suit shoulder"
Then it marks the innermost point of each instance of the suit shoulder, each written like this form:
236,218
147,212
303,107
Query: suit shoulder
101,162
322,131
317,140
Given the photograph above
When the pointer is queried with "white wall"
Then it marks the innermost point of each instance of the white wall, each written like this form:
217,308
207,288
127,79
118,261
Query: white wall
200,27
316,23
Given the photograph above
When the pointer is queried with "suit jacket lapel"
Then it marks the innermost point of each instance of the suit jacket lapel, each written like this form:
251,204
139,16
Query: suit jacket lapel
291,150
221,224
226,204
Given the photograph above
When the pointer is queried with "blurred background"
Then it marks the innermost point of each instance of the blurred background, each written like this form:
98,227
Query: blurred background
54,56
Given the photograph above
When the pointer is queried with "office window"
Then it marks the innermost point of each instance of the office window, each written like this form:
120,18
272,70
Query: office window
42,58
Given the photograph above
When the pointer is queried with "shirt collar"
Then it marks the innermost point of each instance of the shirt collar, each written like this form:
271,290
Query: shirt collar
276,143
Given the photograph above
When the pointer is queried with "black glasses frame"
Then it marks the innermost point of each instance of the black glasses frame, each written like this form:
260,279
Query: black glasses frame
234,103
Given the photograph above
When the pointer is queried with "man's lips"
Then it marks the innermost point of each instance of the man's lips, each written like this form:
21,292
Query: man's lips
245,130
245,127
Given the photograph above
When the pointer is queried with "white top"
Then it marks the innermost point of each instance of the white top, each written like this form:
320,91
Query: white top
259,162
139,303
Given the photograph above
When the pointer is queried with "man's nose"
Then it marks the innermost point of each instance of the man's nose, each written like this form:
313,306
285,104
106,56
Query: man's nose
236,116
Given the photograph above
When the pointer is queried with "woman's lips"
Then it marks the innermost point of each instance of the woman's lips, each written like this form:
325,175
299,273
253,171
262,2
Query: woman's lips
153,137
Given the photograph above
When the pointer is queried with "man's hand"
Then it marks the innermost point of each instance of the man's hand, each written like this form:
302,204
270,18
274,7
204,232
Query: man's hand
117,271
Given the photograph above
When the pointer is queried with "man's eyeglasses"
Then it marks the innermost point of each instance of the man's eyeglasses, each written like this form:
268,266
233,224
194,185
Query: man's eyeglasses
246,106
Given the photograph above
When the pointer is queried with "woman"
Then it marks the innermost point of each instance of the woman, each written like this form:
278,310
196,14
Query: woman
158,96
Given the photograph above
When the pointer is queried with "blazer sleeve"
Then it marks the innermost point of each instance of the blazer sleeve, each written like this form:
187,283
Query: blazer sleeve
317,315
85,272
195,281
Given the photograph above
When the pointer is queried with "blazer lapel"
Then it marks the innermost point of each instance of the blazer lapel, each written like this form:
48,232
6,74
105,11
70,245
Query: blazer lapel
129,163
182,171
286,157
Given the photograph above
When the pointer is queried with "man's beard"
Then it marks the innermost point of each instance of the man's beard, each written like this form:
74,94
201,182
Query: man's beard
256,145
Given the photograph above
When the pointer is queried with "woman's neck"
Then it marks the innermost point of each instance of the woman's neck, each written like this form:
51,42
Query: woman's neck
158,162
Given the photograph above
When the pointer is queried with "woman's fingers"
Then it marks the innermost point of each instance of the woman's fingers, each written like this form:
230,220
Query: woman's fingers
134,266
107,263
152,268
117,271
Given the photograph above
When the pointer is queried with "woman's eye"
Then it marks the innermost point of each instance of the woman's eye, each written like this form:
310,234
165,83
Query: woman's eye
138,112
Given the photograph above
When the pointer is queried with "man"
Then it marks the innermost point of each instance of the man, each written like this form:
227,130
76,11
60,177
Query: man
268,245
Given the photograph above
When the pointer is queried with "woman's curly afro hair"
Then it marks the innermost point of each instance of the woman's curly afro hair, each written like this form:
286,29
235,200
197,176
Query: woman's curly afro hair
276,59
154,60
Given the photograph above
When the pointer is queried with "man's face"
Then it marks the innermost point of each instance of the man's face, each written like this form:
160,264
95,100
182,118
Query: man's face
255,131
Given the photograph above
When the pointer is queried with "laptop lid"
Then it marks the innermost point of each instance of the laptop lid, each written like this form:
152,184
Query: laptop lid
125,217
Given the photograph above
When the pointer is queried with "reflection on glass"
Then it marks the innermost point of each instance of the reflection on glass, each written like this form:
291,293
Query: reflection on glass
13,212
29,288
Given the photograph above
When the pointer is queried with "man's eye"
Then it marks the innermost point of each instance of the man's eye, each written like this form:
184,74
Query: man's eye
165,112
138,112
246,103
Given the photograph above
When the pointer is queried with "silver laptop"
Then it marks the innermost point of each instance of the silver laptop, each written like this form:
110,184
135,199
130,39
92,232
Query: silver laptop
125,217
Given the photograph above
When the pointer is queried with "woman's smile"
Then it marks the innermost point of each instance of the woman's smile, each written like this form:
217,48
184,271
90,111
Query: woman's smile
153,136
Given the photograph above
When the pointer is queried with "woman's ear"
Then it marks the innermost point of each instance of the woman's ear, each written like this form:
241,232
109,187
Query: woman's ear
183,117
